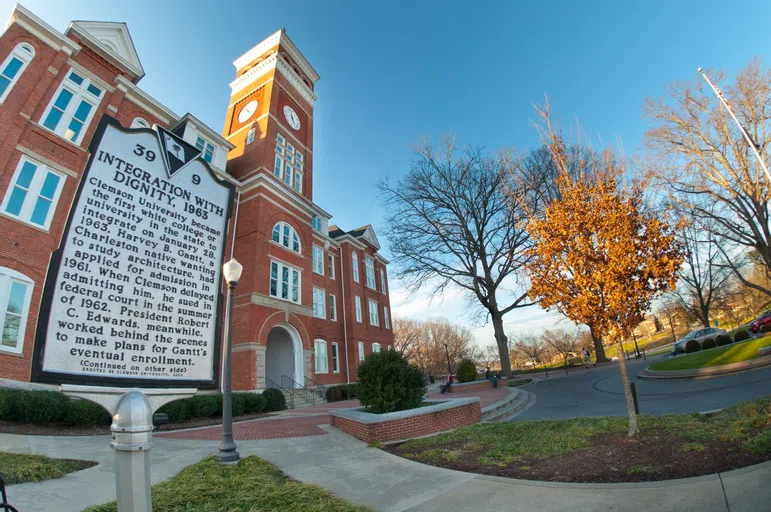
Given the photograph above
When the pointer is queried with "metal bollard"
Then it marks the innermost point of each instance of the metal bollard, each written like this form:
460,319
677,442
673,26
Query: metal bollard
634,397
132,434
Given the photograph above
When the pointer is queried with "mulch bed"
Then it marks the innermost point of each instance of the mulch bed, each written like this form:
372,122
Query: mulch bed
611,458
7,427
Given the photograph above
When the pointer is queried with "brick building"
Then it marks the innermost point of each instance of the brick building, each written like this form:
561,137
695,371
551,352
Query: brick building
313,298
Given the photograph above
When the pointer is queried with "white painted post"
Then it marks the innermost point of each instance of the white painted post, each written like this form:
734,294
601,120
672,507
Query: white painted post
132,434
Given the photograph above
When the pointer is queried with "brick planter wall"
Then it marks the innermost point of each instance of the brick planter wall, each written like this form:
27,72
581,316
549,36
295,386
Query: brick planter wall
397,426
475,385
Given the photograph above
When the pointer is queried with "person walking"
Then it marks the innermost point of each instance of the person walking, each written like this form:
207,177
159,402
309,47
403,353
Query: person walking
588,358
447,385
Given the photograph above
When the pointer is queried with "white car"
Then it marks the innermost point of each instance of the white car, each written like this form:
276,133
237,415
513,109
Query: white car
700,336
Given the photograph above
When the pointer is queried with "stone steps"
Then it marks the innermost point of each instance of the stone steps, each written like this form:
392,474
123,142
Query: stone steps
302,397
517,402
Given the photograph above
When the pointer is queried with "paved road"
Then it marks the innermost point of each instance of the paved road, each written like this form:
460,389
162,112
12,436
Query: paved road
598,392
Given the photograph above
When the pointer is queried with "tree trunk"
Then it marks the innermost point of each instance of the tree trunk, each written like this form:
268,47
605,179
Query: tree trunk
704,310
634,429
503,345
599,350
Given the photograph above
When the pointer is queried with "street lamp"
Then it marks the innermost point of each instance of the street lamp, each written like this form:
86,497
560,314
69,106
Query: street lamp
231,271
447,351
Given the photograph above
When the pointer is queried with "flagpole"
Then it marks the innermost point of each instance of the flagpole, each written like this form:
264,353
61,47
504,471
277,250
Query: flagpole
746,135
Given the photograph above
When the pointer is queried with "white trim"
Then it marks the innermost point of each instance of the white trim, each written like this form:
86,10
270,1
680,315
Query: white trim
277,62
386,318
20,54
32,195
376,347
278,37
279,281
281,237
335,353
375,310
143,100
297,348
79,94
42,30
320,251
214,137
318,343
331,265
319,303
332,307
362,354
131,64
140,122
355,266
7,277
357,307
47,162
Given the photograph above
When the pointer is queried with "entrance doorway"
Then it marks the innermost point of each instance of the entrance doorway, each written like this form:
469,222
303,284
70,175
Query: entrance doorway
284,358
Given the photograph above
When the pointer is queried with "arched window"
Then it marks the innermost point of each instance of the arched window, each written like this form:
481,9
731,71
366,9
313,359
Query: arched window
285,235
15,295
139,123
13,67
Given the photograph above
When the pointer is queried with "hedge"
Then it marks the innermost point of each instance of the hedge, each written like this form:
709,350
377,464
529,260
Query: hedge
342,392
708,343
741,336
722,340
692,346
388,383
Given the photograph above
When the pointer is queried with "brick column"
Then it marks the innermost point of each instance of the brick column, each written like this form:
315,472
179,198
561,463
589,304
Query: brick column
308,360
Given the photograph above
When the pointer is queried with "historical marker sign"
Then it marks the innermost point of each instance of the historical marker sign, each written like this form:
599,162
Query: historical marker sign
133,294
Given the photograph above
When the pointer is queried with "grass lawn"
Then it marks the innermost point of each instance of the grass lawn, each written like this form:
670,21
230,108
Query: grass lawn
733,353
18,468
513,383
253,485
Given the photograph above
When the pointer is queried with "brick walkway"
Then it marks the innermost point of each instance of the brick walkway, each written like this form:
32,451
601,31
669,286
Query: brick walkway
304,422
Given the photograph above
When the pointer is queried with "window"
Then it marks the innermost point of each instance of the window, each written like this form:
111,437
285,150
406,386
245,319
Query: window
319,303
284,234
369,266
357,302
138,122
33,193
289,164
284,282
15,294
373,320
355,266
205,147
383,282
13,67
375,348
316,223
72,107
321,357
332,307
250,135
361,351
318,260
390,348
335,363
331,266
386,320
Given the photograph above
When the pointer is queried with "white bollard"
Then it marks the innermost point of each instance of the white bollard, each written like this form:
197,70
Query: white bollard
132,438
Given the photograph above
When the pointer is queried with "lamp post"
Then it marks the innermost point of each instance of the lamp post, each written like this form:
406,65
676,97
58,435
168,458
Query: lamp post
231,271
447,351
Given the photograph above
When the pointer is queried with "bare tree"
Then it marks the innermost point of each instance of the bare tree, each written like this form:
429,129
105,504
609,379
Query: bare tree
710,171
530,347
450,224
564,342
489,355
409,336
433,344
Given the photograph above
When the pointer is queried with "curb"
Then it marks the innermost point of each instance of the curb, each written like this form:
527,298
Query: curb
707,372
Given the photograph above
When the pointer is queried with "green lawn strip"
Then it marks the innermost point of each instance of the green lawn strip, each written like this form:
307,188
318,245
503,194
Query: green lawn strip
513,383
502,443
251,485
18,468
733,353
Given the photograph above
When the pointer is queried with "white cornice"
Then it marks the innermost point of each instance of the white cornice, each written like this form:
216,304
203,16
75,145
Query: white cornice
299,58
42,30
105,52
257,50
144,100
291,75
275,61
301,202
351,240
278,37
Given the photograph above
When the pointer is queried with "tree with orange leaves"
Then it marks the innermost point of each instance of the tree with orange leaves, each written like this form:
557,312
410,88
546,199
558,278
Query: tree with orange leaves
599,255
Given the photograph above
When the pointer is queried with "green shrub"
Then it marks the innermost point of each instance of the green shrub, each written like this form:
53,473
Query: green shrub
84,413
741,336
42,407
708,343
351,391
334,394
253,402
8,400
178,410
765,328
692,346
237,404
274,400
467,371
204,406
723,340
388,383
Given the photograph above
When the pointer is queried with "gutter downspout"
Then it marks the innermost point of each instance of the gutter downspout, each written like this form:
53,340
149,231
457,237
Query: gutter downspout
345,322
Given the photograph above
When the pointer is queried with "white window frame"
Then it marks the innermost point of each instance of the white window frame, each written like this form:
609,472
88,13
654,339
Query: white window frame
322,363
361,351
332,307
372,308
284,240
319,303
357,304
7,278
390,348
316,223
24,52
279,281
292,164
376,348
331,265
355,266
205,144
79,93
250,135
139,122
386,321
35,187
335,357
369,268
318,259
383,287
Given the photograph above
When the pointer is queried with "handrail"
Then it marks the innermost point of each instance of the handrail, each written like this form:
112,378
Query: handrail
317,388
278,386
295,386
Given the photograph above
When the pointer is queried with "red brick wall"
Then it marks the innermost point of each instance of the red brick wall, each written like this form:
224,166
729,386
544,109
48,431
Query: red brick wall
414,426
475,386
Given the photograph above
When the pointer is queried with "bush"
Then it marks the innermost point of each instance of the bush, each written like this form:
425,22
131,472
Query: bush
334,394
204,406
723,340
351,391
741,336
467,371
253,402
237,404
9,400
41,407
692,346
708,343
274,400
765,328
84,413
388,383
178,410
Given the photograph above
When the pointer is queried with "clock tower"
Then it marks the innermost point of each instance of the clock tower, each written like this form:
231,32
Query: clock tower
270,115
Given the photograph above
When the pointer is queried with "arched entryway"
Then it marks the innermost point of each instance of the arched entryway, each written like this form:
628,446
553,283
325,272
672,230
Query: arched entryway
284,357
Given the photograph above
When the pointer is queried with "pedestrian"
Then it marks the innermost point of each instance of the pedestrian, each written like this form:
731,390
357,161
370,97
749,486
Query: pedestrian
491,376
588,358
447,385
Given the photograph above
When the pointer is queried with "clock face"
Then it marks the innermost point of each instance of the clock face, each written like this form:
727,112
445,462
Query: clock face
247,112
291,117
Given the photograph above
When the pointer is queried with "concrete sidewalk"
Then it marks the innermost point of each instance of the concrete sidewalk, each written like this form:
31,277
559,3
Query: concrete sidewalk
353,471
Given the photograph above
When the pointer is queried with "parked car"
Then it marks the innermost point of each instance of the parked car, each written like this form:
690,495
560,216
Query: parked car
700,335
763,319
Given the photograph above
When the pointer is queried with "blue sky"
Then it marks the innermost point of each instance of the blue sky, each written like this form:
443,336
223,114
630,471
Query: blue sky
393,72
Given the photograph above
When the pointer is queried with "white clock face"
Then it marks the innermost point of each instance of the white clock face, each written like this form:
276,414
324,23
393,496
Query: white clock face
291,117
247,112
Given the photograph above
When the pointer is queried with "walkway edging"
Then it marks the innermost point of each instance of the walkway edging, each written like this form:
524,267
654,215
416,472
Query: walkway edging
706,372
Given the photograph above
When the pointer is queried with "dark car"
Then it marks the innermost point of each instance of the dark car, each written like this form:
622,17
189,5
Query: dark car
700,335
760,321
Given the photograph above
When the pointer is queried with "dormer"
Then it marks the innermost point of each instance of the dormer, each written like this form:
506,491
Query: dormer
112,41
214,148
